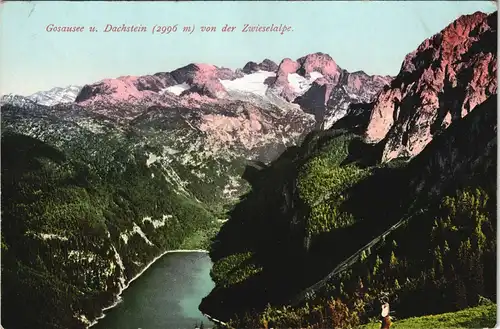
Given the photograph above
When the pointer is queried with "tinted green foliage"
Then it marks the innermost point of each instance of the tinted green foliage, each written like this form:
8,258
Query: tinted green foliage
71,227
322,186
307,184
234,269
329,313
450,269
422,233
475,317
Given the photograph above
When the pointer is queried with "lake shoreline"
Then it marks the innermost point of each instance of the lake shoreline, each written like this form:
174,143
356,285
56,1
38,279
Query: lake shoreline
214,319
120,292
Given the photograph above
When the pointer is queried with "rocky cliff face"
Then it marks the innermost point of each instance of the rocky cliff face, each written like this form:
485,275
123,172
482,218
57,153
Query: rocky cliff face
322,88
329,101
266,65
443,80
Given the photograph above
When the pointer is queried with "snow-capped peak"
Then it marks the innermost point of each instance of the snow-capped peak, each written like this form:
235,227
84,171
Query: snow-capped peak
56,95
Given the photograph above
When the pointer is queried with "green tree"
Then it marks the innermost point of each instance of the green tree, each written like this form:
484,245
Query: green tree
393,261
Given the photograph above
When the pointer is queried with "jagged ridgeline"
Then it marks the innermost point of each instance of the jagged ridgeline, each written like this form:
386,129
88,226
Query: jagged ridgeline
82,214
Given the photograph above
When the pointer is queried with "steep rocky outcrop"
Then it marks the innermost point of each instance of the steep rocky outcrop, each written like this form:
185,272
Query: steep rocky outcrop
293,78
204,80
17,100
280,84
155,82
266,65
329,100
122,89
193,72
250,67
319,62
444,79
467,149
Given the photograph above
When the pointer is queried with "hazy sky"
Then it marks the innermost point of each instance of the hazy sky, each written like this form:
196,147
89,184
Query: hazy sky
359,35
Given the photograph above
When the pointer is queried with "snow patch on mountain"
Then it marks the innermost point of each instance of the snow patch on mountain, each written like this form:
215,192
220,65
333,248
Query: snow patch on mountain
251,83
302,84
176,89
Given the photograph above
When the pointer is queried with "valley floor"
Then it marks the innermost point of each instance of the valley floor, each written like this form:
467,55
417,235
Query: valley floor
484,316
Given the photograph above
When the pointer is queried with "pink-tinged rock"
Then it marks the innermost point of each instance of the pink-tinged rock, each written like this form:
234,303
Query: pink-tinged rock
319,62
244,127
359,82
266,65
355,82
126,88
112,91
280,85
324,82
203,79
155,82
444,79
287,66
380,122
304,66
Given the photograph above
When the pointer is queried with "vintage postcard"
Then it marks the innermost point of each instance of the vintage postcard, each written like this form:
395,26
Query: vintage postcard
248,164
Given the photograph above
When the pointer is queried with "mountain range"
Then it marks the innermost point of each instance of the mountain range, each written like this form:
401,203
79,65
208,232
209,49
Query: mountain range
299,169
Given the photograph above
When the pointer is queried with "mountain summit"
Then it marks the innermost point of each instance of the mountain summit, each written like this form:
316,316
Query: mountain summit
443,80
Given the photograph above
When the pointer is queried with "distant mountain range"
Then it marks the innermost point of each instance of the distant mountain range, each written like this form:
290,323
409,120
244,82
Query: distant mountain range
54,96
313,83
